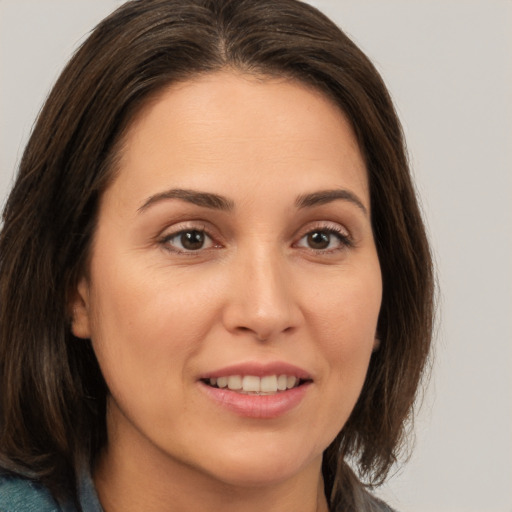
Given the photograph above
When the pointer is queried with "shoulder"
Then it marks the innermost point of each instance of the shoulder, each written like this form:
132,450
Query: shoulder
18,494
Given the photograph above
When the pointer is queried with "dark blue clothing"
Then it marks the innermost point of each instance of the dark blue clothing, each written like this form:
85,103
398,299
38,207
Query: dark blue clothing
18,494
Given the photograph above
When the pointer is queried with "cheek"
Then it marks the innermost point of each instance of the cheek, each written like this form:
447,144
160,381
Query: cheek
344,318
347,309
145,328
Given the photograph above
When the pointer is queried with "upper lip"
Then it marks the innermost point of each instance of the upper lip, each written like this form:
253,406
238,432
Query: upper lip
259,370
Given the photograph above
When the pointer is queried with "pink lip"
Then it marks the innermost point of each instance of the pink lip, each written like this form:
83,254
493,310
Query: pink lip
257,406
259,370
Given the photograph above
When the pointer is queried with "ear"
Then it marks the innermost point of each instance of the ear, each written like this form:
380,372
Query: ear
376,343
80,313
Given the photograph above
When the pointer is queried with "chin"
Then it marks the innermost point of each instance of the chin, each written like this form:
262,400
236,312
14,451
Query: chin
262,466
257,476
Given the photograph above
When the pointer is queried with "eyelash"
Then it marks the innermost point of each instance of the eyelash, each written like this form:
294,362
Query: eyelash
345,241
166,239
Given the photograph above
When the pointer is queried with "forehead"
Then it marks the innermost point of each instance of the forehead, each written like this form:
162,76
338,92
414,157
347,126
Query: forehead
228,126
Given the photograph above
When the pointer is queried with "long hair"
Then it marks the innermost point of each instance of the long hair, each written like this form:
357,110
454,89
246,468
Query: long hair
52,394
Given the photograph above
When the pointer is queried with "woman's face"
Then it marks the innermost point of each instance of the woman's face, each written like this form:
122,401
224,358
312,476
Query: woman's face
233,250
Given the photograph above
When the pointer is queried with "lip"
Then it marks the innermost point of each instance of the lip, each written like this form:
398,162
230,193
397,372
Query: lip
259,370
257,406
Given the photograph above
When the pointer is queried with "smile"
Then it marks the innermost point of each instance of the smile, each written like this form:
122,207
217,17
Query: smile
257,390
254,385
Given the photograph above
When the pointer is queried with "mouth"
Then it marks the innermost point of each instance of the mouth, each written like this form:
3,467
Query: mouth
255,385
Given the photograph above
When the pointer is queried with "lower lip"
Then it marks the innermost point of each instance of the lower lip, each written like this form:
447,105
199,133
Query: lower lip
257,406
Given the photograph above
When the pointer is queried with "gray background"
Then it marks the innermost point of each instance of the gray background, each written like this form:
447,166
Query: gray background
448,65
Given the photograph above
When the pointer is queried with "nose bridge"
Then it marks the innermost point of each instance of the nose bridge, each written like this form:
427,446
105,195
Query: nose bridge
261,302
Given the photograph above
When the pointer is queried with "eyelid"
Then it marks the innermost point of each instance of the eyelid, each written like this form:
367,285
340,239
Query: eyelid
326,225
343,234
176,229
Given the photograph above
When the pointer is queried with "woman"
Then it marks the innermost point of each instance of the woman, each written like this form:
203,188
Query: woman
216,285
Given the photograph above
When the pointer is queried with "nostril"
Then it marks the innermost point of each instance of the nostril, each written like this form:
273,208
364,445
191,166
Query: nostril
259,335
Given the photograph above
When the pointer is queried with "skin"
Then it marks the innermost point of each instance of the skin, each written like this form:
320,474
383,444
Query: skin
159,316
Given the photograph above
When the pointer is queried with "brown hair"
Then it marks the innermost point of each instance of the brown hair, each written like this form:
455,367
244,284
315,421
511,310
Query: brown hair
52,404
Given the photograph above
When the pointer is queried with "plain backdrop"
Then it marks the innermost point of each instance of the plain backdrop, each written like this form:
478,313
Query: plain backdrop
448,65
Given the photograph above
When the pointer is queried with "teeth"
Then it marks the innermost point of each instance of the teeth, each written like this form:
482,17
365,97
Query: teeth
235,382
269,384
251,383
281,382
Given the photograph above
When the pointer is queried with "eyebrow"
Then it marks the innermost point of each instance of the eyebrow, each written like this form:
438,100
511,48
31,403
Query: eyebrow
205,199
328,196
218,202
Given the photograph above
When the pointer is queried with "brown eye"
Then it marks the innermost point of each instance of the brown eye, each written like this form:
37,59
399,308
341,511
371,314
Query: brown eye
318,240
325,240
192,240
188,240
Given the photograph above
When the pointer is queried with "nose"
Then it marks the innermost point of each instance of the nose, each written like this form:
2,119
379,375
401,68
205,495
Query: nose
262,301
